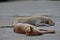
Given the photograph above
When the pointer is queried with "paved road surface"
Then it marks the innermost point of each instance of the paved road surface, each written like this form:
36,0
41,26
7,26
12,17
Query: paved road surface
10,10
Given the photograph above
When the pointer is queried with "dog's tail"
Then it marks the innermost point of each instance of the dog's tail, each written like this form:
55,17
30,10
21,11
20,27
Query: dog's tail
6,26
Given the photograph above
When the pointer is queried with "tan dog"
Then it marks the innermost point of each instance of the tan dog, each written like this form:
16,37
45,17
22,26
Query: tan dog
30,30
35,20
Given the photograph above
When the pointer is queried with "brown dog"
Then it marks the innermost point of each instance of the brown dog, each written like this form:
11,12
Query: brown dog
30,30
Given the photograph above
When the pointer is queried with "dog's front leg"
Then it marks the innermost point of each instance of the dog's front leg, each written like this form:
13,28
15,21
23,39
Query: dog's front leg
41,24
47,31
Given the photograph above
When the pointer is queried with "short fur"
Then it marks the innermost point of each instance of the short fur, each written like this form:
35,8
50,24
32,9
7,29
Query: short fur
35,20
30,30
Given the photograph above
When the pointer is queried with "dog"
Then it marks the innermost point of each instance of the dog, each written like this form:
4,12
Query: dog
35,20
30,30
38,21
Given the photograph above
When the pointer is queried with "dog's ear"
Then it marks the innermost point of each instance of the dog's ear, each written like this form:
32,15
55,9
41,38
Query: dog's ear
28,31
31,28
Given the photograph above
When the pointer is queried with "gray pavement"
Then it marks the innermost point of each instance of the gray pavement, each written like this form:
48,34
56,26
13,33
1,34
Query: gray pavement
10,10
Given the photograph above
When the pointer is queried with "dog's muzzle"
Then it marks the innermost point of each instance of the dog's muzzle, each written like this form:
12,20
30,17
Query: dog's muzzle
52,24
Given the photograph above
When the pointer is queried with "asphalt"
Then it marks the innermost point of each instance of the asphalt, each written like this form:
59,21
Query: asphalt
10,10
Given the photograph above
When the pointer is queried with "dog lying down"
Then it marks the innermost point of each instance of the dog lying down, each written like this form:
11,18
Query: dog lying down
30,30
38,21
35,20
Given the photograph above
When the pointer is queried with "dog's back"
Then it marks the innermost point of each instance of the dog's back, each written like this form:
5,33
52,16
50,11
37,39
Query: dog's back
26,29
34,20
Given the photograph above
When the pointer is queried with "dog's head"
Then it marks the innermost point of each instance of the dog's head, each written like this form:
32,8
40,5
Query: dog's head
45,21
50,22
31,31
